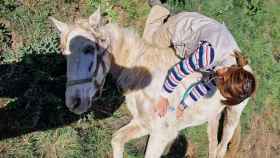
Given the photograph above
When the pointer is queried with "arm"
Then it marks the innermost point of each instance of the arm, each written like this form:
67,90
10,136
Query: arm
203,57
200,90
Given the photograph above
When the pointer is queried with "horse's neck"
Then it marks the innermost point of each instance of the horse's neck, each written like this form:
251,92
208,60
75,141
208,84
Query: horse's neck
123,44
134,60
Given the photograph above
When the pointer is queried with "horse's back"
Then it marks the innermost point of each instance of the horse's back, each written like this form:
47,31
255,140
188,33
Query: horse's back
144,100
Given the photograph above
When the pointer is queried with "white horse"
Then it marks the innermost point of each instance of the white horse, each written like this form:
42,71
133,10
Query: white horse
92,49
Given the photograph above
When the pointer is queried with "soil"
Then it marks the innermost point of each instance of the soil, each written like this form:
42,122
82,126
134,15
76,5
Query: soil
263,138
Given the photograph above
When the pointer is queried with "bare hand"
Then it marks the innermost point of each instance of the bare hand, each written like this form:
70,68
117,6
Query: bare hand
161,106
179,111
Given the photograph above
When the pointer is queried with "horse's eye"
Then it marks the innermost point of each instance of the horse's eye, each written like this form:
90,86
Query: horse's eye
103,40
88,49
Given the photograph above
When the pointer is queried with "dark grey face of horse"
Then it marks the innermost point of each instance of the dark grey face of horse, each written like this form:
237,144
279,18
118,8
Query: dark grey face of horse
79,44
81,65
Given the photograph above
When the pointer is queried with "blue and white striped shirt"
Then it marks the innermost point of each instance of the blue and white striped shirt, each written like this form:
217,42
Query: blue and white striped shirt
202,58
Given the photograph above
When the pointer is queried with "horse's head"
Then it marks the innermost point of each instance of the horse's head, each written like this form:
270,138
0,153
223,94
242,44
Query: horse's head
87,61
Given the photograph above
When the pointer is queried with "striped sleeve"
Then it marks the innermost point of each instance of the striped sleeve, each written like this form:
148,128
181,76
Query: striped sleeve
203,57
200,90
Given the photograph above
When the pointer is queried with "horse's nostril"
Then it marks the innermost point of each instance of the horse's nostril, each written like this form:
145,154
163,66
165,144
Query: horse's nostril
77,102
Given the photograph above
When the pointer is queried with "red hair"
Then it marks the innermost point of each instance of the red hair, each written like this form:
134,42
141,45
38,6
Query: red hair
238,83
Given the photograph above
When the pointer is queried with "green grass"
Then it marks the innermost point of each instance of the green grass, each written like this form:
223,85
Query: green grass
33,74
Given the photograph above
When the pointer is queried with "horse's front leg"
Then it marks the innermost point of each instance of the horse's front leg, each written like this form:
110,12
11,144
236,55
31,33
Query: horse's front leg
231,121
123,135
157,143
212,130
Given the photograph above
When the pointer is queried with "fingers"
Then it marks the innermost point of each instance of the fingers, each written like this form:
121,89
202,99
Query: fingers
161,107
178,116
162,110
155,107
179,113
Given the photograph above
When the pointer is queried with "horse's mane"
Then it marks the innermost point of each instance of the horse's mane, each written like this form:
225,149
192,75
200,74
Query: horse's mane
137,58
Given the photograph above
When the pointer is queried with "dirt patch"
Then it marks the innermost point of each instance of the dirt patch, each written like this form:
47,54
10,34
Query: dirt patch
263,139
122,14
17,41
191,150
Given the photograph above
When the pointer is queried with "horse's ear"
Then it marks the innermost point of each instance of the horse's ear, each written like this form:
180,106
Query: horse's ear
95,19
62,27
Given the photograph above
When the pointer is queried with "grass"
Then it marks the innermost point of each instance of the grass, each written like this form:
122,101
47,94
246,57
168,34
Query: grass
34,121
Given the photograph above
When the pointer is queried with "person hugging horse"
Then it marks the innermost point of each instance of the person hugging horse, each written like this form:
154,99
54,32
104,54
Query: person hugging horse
204,45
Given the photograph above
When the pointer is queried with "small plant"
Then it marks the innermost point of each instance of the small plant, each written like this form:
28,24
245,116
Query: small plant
6,55
95,142
5,37
253,6
7,6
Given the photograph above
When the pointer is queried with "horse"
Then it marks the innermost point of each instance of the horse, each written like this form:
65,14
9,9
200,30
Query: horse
94,49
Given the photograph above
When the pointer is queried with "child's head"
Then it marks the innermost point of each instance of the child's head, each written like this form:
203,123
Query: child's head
235,83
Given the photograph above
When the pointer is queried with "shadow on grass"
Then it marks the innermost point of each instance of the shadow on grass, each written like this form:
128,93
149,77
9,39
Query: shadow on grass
37,86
